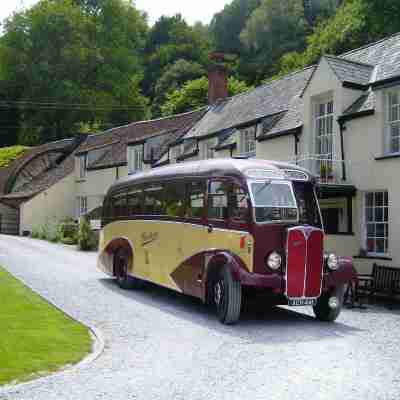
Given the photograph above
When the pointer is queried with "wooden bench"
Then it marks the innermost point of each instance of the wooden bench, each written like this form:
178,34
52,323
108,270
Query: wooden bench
383,280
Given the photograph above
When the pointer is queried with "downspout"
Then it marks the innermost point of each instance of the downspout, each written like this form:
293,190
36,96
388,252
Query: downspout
342,128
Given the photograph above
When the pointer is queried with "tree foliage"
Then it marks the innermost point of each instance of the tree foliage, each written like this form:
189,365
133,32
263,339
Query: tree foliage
194,94
67,64
9,154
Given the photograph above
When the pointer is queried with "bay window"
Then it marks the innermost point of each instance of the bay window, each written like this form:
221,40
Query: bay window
393,128
135,158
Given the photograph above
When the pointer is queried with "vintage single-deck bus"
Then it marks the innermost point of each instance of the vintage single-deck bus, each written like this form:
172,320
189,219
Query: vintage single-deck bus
211,228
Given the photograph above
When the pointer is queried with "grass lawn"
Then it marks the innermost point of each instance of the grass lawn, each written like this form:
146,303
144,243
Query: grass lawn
35,338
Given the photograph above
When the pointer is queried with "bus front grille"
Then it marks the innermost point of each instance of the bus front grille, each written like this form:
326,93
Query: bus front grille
304,260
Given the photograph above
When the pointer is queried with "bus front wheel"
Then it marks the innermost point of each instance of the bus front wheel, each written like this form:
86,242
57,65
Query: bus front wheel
329,305
124,281
227,297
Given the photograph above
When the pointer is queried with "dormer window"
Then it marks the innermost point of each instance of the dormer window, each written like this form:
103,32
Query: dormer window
176,152
248,142
393,129
135,158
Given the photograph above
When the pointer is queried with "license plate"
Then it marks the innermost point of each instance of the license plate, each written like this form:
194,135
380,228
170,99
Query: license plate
301,302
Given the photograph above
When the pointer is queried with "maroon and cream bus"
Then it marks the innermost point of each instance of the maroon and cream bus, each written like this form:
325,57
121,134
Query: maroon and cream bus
212,228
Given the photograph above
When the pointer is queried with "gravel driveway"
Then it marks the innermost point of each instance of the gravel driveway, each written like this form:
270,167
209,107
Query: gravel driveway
162,345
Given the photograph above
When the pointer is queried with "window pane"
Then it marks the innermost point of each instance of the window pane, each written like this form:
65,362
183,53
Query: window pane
119,205
379,214
395,145
153,200
379,199
371,230
380,246
330,107
369,214
196,195
175,195
369,199
218,200
380,230
135,202
238,206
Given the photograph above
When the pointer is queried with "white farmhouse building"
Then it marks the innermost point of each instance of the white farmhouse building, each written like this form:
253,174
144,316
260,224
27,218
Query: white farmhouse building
339,118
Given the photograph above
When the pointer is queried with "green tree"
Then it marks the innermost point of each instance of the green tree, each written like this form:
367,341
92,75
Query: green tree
173,78
169,40
194,94
69,63
273,29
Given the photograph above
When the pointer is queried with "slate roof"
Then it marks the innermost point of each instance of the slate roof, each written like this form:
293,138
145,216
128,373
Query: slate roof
44,181
384,55
350,71
271,98
365,103
9,173
159,133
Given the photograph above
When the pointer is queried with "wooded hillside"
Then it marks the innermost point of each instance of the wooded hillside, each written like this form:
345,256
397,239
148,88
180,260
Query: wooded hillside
70,66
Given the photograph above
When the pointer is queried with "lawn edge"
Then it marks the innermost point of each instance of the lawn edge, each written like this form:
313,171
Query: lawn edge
98,345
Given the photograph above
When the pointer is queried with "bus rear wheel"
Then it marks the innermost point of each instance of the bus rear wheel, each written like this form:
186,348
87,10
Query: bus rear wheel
329,305
227,296
124,281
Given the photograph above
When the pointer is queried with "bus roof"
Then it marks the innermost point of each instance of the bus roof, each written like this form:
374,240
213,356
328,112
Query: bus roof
208,168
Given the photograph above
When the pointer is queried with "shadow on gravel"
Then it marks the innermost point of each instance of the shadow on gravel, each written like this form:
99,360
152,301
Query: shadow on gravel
258,324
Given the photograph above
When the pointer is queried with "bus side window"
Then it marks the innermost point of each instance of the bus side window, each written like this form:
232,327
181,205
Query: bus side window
135,202
196,193
218,200
106,215
238,205
119,205
175,199
154,203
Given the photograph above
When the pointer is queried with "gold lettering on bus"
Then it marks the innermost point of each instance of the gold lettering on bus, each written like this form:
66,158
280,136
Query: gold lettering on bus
148,238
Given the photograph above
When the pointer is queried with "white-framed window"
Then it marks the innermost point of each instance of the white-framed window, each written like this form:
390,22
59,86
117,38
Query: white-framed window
324,129
376,219
82,164
393,125
176,152
135,158
82,205
207,148
248,141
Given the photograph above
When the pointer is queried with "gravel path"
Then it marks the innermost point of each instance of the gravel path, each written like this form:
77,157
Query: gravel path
161,345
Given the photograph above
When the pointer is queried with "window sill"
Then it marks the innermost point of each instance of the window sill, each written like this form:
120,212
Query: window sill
373,257
387,156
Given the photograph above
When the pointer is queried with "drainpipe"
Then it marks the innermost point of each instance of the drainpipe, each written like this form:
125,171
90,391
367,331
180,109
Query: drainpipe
342,128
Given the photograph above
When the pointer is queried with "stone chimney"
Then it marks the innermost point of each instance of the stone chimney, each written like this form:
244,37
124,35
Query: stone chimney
217,78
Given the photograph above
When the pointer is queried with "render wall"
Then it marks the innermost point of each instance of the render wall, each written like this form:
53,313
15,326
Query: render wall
49,206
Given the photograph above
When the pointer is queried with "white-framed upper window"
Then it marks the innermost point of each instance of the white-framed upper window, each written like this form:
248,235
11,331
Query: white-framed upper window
176,152
393,126
82,205
376,217
207,148
248,141
135,158
324,129
82,164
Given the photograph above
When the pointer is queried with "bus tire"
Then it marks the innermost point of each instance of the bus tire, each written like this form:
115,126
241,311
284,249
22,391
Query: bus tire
323,311
124,281
227,297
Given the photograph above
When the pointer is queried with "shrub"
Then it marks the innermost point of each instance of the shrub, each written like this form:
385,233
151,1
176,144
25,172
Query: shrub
86,238
35,233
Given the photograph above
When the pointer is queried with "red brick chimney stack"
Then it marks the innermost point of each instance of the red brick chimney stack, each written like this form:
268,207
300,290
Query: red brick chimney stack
217,78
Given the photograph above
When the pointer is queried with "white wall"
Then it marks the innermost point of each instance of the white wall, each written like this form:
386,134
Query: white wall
49,206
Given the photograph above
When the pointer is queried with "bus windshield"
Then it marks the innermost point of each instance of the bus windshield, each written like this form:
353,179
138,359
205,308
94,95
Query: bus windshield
274,201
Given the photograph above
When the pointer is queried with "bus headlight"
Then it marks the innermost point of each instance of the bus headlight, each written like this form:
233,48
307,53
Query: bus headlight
332,262
274,261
